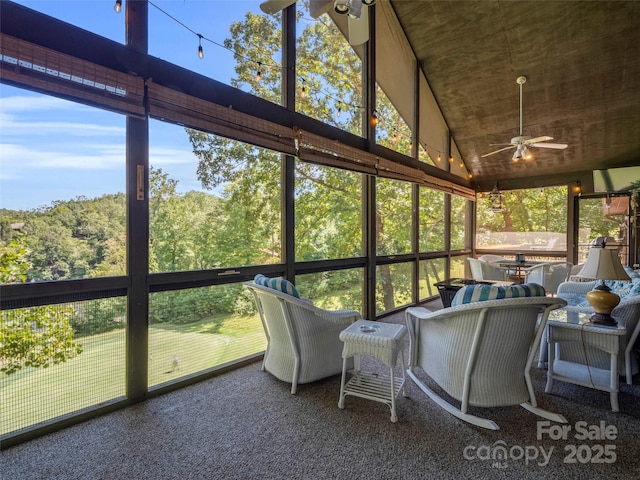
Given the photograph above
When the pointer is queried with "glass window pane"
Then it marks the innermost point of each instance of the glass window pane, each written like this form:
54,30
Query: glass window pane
604,217
228,211
328,206
329,73
90,338
456,269
431,214
431,272
458,222
62,186
393,217
337,290
393,286
241,46
200,328
391,129
532,220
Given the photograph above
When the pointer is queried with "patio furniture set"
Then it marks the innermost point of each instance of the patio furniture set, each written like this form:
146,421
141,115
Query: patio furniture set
479,349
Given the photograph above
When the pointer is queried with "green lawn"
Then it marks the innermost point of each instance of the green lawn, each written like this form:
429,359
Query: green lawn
97,375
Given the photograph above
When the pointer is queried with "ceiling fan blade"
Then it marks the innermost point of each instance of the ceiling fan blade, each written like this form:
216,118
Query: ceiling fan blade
274,6
501,150
531,141
359,27
498,144
559,146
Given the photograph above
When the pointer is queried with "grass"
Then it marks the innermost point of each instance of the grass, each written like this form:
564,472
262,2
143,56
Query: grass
98,374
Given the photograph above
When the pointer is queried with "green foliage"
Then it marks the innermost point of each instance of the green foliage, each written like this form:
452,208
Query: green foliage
99,316
36,337
192,305
13,263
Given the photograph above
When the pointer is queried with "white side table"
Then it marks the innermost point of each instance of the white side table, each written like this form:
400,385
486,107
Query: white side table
565,326
383,341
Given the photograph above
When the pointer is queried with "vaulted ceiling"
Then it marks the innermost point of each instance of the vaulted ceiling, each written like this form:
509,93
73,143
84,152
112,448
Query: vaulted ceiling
582,63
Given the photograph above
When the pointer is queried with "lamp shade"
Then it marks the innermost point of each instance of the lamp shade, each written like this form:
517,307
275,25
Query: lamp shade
603,264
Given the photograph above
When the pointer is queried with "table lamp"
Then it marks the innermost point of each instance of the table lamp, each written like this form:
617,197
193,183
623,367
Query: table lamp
603,264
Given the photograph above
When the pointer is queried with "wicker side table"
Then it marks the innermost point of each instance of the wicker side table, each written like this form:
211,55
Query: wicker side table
383,341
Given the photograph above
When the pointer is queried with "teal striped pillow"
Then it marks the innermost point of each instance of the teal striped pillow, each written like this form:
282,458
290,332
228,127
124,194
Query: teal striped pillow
279,284
480,293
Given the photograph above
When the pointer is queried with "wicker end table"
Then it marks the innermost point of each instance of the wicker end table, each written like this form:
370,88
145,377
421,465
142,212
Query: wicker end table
383,341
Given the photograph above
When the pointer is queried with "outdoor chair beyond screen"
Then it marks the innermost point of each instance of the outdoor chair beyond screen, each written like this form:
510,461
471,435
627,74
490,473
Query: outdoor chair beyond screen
480,353
302,340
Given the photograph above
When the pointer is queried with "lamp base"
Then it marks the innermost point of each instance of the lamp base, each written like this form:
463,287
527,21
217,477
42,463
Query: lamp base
603,319
603,301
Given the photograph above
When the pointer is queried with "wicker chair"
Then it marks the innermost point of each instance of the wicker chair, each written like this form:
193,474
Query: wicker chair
627,313
302,339
481,270
549,275
480,353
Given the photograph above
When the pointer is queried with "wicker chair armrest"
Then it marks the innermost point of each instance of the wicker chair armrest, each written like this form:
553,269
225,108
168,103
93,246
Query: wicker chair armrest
339,316
576,287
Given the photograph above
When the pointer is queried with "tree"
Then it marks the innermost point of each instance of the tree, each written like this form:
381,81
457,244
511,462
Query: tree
36,336
328,200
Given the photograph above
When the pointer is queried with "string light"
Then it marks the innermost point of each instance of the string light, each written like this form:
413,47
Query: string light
577,188
340,105
118,6
200,51
259,73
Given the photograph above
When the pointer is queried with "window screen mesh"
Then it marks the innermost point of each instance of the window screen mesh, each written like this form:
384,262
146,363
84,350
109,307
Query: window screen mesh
36,385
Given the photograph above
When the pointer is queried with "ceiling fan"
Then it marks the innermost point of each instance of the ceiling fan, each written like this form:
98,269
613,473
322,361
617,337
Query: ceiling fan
520,143
356,11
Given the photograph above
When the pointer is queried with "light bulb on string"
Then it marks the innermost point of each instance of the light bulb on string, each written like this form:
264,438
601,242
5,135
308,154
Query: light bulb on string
303,88
450,159
374,118
439,159
339,109
259,73
200,50
118,6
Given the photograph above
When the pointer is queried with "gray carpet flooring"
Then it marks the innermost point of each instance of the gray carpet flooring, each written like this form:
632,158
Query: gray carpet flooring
246,425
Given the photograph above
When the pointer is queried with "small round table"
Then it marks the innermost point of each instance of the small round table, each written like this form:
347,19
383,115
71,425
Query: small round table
383,341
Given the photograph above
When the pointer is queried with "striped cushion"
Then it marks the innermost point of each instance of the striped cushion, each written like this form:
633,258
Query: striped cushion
480,293
279,284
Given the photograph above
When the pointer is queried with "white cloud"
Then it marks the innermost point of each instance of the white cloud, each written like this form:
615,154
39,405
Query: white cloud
159,156
31,103
21,158
10,126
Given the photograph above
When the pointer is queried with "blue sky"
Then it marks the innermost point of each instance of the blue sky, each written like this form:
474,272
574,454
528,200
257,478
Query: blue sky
51,149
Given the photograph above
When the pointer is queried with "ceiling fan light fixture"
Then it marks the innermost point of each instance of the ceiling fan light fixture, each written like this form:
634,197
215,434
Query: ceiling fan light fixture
517,155
368,3
526,153
342,6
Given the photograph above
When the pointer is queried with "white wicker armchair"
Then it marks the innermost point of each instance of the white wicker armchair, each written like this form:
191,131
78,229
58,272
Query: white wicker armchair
549,275
302,339
480,353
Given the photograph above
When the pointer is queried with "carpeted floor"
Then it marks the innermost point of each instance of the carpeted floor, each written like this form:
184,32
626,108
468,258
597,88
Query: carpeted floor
246,425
